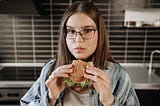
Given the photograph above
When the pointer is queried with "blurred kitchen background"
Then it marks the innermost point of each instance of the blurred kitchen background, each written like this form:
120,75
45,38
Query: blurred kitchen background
29,33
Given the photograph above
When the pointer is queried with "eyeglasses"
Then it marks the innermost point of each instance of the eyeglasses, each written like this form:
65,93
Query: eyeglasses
85,34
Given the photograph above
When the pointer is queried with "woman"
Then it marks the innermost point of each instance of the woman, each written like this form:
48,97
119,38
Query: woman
82,36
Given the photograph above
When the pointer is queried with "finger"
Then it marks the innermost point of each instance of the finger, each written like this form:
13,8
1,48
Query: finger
100,82
100,85
56,75
96,87
96,72
97,83
61,70
66,66
91,77
53,79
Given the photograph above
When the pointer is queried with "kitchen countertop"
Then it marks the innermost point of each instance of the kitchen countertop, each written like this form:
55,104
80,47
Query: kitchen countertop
140,77
16,84
138,73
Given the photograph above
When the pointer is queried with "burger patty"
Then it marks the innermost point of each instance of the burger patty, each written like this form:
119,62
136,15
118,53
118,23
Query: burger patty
79,69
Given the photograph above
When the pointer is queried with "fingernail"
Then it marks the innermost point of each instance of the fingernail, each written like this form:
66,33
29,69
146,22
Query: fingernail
87,70
71,70
85,75
65,75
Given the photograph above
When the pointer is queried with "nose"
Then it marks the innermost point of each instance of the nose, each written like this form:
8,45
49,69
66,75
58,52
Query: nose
79,38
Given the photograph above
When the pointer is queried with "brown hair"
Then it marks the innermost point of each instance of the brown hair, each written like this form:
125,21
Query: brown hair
102,53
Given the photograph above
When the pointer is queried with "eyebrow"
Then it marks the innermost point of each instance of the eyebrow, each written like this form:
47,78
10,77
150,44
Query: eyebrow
87,26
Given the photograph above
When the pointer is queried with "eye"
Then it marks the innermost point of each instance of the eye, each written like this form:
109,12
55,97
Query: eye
71,31
87,30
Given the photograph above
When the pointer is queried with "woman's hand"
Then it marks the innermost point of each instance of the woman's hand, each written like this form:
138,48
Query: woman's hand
55,84
101,84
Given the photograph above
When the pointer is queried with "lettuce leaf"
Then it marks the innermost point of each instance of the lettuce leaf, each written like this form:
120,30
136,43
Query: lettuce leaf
70,83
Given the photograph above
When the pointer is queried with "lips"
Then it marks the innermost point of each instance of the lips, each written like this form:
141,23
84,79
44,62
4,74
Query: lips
79,49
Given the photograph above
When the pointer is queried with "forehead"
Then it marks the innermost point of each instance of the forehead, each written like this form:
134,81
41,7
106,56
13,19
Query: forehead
79,20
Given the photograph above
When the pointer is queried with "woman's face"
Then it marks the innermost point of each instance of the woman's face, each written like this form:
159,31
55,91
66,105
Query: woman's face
81,26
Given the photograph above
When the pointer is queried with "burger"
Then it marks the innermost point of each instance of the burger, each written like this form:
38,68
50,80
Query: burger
76,78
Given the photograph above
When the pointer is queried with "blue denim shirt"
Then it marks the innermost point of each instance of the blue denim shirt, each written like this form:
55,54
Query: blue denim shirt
121,87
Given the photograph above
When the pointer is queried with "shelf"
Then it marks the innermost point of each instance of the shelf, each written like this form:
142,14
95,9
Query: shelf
142,18
145,27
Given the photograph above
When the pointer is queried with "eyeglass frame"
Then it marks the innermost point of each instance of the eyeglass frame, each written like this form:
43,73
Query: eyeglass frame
80,33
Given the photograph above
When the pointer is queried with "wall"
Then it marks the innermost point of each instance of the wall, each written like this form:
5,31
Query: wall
34,38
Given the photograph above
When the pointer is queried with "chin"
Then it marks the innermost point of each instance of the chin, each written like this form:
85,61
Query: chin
81,56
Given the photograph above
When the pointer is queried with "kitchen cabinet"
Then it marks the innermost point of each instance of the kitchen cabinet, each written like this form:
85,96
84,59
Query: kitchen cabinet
147,86
15,81
148,97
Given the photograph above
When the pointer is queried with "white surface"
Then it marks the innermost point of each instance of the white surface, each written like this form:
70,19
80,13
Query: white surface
148,16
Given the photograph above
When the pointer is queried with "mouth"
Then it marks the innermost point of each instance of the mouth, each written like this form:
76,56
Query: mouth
79,49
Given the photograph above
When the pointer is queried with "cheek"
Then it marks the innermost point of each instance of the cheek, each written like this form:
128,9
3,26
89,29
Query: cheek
93,45
69,45
95,42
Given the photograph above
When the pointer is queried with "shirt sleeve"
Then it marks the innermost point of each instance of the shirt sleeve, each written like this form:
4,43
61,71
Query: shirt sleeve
37,94
122,88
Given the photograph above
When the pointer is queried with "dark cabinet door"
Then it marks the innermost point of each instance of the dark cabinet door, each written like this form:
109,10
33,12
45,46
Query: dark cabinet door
149,97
